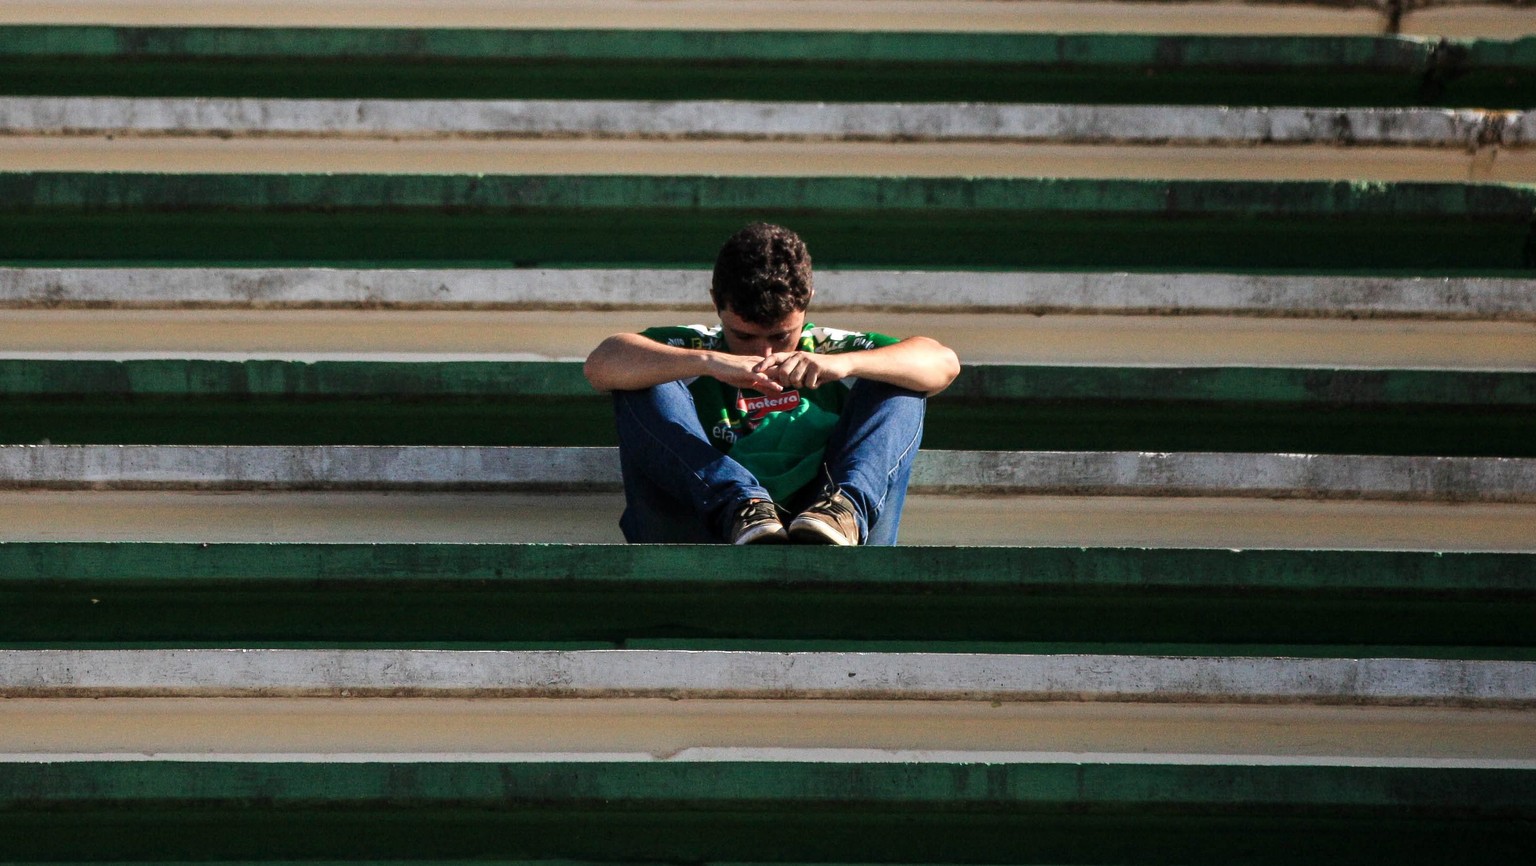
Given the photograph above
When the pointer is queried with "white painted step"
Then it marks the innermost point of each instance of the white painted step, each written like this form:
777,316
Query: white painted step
757,675
1212,125
990,473
1097,293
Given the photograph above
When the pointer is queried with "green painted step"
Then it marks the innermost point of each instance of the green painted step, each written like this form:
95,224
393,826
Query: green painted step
807,66
990,407
104,219
766,812
1123,600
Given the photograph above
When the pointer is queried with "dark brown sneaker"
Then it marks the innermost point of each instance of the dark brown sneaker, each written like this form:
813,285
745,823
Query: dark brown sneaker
829,520
757,522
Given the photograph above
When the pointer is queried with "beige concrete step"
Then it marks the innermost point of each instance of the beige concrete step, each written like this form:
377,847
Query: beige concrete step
1465,19
648,729
1058,318
42,515
963,159
423,335
959,15
1451,18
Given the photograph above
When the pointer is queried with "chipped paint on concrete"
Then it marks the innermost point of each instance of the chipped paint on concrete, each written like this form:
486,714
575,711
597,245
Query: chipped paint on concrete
923,291
326,467
1286,476
756,675
999,473
1079,124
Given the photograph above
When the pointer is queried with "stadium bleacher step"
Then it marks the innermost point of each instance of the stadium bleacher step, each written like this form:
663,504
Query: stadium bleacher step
1100,318
765,138
953,123
1460,18
864,291
638,674
527,221
794,812
112,726
411,468
805,66
592,518
1059,600
1004,407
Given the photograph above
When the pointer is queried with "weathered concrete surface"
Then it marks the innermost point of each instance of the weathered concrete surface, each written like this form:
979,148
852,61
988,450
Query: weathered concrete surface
1461,19
1050,16
325,287
1522,129
801,157
1076,124
1298,476
997,473
307,467
1504,19
749,675
657,729
592,518
922,291
417,335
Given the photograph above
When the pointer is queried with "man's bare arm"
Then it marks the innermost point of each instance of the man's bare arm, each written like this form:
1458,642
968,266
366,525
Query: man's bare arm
626,362
917,363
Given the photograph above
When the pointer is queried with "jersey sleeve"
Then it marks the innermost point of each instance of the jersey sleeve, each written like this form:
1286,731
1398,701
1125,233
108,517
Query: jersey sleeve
684,336
833,341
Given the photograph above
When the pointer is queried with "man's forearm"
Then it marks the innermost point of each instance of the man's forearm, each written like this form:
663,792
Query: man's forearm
626,362
916,363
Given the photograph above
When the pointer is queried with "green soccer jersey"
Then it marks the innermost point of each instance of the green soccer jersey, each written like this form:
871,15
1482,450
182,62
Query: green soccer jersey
779,438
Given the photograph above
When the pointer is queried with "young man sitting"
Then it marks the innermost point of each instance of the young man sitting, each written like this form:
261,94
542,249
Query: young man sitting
766,428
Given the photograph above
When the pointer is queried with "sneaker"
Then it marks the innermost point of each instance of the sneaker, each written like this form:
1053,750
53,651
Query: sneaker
829,520
757,522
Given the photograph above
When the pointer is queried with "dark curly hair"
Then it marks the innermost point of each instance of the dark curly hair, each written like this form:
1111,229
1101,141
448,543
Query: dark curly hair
763,273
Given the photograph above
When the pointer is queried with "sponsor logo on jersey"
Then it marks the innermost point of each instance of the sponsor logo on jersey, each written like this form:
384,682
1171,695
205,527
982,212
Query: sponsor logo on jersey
758,408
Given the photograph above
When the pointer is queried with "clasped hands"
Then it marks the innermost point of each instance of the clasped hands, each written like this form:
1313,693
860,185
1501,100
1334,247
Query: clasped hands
781,371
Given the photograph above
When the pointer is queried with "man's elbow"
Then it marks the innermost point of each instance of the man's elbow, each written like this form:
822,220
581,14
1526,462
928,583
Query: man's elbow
594,374
599,368
943,367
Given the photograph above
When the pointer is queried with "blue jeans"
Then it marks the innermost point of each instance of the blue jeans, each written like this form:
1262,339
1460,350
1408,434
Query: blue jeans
679,488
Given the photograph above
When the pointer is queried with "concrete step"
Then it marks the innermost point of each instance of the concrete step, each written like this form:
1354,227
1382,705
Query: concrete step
1210,125
754,675
930,519
950,812
529,221
1462,18
863,291
1106,600
807,66
764,139
181,401
516,336
993,473
1170,319
760,158
826,730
